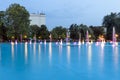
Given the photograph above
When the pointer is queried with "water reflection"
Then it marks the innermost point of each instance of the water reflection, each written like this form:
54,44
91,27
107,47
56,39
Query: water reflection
89,56
39,51
12,49
34,49
60,50
0,53
101,56
68,54
50,52
26,53
44,48
79,48
116,55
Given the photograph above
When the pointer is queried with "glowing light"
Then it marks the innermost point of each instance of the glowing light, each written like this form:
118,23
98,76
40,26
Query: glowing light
15,41
12,43
89,36
26,43
25,36
74,43
116,35
30,42
102,44
101,38
91,42
79,43
97,43
45,42
39,37
56,42
40,42
61,42
67,43
12,37
116,43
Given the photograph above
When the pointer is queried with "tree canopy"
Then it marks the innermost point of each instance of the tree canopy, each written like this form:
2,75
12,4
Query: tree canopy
58,32
17,20
79,31
110,21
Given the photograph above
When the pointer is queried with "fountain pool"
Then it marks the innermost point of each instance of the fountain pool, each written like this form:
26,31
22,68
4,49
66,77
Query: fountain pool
52,61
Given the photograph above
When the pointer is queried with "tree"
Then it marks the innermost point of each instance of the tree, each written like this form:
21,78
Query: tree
44,33
110,21
17,20
58,33
74,31
97,31
2,26
34,30
79,31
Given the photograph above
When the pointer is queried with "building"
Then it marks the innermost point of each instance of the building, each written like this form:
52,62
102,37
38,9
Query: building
38,19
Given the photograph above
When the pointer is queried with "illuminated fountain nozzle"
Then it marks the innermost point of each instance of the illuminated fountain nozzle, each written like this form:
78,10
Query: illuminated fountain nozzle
12,43
114,38
116,43
30,42
45,42
61,42
83,42
15,41
26,43
79,43
68,43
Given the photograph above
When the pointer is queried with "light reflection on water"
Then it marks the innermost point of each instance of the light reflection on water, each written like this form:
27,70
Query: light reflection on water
85,62
60,50
50,53
26,53
0,53
79,48
34,49
39,51
101,56
89,56
116,55
12,49
68,54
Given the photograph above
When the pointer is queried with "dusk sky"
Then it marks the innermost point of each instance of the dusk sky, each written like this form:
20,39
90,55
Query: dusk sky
67,12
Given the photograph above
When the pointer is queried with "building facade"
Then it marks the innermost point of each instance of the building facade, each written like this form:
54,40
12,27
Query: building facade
38,19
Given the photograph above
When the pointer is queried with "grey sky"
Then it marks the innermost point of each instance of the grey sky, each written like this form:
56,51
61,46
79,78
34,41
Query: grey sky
66,12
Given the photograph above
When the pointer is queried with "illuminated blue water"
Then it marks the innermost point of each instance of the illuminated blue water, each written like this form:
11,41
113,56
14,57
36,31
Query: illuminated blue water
54,62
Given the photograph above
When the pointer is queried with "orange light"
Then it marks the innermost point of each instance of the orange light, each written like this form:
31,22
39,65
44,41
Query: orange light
25,36
39,37
89,36
116,35
13,37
